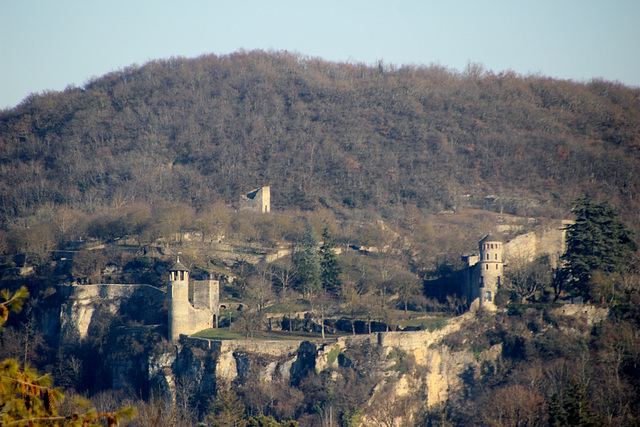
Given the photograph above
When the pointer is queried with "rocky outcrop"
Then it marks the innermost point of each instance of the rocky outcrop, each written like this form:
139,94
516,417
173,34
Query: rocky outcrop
440,369
81,302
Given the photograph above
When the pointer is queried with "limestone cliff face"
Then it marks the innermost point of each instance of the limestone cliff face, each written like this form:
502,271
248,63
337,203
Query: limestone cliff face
81,303
438,370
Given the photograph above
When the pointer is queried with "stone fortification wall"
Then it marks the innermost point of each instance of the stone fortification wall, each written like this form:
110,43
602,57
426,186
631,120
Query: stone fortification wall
421,340
280,253
82,301
588,313
272,348
545,240
293,359
206,294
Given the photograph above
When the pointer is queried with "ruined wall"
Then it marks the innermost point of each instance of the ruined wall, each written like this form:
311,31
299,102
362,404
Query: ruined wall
206,294
258,200
544,240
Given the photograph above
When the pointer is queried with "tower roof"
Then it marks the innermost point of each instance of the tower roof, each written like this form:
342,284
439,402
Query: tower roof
492,238
178,266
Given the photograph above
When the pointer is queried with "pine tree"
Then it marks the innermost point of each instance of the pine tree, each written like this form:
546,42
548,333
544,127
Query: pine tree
597,241
227,409
307,262
578,407
330,275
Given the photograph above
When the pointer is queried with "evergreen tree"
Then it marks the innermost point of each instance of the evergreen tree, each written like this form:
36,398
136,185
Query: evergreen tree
330,275
227,410
577,406
596,241
27,398
557,416
307,262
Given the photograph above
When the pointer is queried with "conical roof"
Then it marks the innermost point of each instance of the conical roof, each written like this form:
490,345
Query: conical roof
178,266
492,238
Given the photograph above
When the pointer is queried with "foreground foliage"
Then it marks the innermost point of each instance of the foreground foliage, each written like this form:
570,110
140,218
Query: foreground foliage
28,399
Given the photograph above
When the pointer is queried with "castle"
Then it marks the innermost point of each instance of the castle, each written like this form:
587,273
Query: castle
484,274
258,200
192,306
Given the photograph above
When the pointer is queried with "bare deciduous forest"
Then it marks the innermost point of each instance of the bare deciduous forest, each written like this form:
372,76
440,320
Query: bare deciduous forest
344,135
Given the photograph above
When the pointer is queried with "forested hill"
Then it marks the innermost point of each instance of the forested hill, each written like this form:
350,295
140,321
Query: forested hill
343,135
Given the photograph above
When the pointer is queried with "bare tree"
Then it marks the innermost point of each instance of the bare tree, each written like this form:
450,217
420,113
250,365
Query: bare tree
408,286
260,287
285,275
526,278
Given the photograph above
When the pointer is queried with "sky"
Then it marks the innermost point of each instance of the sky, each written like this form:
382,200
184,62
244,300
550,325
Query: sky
49,45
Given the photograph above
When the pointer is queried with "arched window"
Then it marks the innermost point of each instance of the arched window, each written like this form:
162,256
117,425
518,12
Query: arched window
487,267
488,295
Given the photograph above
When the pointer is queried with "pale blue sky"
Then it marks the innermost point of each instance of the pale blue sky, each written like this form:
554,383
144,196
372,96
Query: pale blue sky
48,45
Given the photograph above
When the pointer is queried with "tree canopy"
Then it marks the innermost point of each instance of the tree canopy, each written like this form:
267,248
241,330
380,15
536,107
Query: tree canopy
596,241
341,134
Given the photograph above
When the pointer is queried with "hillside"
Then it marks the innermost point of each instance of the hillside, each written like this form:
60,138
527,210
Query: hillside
337,135
381,178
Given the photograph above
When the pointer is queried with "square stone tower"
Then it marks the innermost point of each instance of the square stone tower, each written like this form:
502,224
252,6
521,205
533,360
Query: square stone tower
187,317
258,200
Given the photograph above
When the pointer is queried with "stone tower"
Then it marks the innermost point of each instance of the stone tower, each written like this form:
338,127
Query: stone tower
178,295
187,316
490,270
258,200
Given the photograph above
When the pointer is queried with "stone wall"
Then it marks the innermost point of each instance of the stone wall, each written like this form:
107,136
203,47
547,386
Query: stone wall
291,360
544,240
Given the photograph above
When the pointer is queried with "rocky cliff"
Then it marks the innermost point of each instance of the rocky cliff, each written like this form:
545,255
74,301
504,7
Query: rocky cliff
141,303
405,361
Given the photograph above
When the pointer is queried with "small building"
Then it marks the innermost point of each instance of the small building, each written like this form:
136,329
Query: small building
188,315
258,200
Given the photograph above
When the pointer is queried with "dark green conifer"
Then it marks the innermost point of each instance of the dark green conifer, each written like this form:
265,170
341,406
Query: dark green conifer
330,275
597,241
307,262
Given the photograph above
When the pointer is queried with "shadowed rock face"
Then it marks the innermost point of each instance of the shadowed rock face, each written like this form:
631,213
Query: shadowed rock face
81,302
305,361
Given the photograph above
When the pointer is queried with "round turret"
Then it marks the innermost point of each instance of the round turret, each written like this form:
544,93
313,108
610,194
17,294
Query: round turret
178,272
178,299
491,248
491,269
